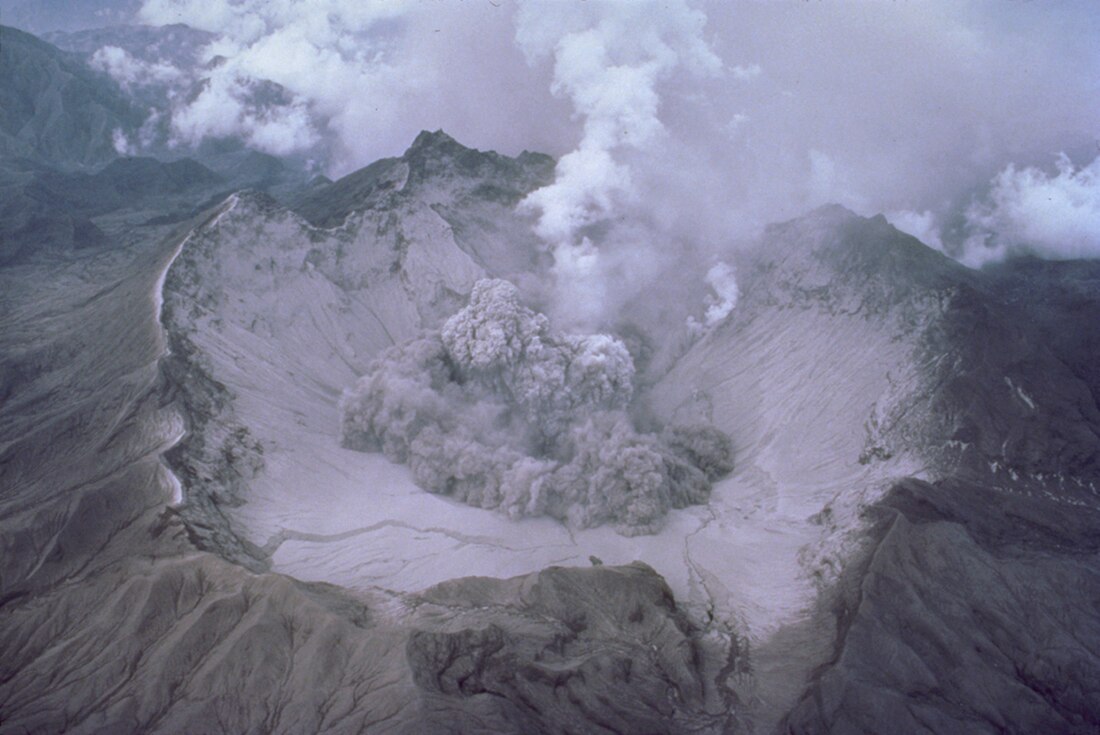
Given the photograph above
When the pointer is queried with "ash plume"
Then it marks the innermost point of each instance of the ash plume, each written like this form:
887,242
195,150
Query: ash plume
499,411
608,61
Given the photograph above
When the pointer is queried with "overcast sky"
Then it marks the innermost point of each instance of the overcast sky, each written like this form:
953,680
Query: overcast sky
949,116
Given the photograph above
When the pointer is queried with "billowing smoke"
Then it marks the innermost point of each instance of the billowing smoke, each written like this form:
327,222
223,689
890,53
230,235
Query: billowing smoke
274,74
722,278
609,59
499,411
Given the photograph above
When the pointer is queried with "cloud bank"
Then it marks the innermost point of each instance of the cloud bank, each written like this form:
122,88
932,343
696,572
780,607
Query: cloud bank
698,121
131,72
357,79
1030,211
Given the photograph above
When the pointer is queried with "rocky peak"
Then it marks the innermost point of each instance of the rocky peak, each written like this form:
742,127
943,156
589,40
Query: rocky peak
438,155
436,169
836,258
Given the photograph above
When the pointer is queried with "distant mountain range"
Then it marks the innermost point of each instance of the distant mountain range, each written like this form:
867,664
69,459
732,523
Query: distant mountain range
56,111
41,16
62,163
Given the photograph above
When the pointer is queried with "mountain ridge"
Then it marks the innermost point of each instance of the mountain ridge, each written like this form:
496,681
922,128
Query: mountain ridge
55,110
864,567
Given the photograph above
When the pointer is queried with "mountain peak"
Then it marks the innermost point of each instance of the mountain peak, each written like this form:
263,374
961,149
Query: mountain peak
436,167
435,141
840,260
435,153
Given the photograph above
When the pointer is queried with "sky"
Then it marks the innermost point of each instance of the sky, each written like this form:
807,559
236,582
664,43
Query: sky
974,125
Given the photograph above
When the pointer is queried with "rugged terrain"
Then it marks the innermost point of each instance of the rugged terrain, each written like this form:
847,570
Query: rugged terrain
907,542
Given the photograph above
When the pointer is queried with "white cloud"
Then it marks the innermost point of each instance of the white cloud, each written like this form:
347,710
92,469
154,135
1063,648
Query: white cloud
722,278
921,225
746,72
131,72
227,106
1051,215
122,144
360,78
883,107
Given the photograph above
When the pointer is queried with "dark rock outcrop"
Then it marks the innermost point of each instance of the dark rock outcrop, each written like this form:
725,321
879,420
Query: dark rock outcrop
596,650
977,610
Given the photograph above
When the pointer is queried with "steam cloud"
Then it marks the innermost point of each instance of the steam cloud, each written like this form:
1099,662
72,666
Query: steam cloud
1024,211
278,73
812,103
498,411
355,80
1029,211
608,59
131,72
723,279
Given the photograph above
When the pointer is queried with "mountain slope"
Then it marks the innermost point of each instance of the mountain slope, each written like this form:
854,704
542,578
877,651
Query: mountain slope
261,304
975,610
907,541
847,367
111,620
854,347
54,109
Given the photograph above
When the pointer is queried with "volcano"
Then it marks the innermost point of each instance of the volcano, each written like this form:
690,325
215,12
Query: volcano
905,539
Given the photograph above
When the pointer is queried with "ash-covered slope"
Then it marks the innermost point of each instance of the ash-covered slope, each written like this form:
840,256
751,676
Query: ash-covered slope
1046,296
848,366
475,192
980,388
973,608
854,347
112,620
907,542
272,318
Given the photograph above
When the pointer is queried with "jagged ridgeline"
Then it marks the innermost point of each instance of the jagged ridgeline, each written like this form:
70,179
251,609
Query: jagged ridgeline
498,411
